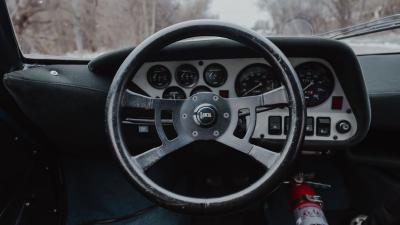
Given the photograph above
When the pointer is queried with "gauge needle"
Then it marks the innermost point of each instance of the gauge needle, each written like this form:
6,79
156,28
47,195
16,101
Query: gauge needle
309,85
212,74
254,88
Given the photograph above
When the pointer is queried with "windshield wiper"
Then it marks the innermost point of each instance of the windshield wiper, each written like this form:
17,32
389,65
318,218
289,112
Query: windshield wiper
374,26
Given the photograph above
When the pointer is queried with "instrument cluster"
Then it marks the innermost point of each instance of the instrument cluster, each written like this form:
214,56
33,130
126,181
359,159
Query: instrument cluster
330,116
186,76
316,79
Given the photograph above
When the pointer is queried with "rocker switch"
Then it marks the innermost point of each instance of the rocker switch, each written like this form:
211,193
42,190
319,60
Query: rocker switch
275,125
323,126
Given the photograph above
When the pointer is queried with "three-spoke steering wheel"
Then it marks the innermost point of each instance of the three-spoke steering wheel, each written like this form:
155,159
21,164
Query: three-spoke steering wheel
206,116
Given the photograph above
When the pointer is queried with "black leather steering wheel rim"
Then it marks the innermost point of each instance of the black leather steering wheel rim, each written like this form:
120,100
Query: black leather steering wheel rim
179,32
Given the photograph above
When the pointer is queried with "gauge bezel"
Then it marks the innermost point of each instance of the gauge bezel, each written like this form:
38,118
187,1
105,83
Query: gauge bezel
237,83
197,76
171,87
329,74
152,84
223,69
199,87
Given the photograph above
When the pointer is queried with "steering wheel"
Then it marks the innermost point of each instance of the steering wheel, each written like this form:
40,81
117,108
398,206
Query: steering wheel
206,116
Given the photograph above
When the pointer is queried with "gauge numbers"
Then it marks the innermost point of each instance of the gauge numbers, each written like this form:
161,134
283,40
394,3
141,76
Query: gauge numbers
256,79
317,82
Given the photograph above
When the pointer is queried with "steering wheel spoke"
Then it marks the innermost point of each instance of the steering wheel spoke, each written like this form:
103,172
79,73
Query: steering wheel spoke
134,100
262,155
150,157
265,156
274,97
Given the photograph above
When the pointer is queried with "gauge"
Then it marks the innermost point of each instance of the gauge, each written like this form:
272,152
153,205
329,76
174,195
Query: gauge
200,89
187,75
174,93
256,79
317,82
159,76
215,75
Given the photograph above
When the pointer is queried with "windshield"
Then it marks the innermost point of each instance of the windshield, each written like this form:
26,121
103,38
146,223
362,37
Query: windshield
86,28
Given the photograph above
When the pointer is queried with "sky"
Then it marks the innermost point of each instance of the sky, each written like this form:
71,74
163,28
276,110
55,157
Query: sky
242,12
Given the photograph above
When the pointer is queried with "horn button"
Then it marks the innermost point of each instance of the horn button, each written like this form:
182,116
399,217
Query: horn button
205,115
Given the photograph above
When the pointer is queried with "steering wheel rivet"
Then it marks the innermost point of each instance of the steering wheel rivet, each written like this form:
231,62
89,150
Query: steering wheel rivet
215,98
195,133
216,133
184,116
226,115
194,98
54,72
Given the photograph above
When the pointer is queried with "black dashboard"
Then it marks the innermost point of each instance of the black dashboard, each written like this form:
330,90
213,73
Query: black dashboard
329,71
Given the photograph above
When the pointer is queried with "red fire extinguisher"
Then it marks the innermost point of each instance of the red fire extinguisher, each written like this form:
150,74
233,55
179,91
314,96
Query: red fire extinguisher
307,205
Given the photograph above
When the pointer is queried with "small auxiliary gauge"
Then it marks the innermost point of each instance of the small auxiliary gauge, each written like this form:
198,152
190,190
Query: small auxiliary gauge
215,75
159,76
174,93
187,75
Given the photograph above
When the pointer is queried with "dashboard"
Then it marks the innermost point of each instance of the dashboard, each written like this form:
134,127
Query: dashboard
82,89
329,114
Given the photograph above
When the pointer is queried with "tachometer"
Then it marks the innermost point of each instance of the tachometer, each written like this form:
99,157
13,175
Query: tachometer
159,76
187,75
256,79
317,82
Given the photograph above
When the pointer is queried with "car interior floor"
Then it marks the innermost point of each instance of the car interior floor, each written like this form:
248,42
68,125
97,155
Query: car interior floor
92,188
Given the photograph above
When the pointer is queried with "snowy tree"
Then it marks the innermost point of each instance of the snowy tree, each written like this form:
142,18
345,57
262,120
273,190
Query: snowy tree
84,26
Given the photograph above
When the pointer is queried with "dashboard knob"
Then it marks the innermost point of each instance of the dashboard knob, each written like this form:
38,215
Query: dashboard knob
343,126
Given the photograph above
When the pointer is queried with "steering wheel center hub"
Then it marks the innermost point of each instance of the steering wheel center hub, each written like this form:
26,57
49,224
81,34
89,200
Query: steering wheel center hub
205,115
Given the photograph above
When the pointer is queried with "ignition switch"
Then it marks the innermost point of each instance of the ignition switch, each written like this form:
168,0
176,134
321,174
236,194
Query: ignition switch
343,126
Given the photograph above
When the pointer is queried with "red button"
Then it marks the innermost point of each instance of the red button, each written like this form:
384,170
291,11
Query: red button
337,102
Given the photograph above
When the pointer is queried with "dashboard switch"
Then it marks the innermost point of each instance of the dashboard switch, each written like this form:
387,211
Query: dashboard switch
309,130
275,125
323,126
343,126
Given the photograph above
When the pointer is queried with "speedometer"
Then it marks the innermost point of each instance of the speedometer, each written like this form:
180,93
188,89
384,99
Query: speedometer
256,79
317,82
